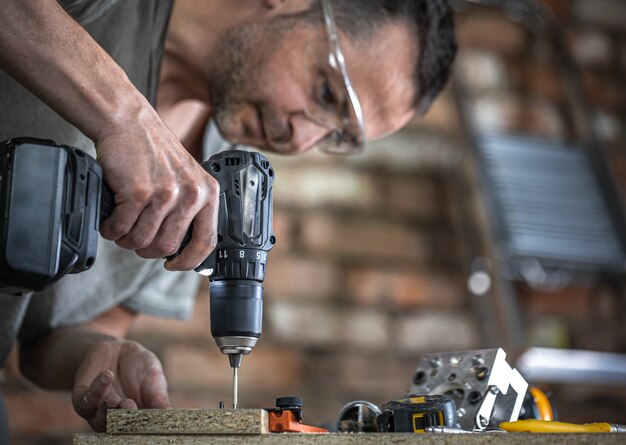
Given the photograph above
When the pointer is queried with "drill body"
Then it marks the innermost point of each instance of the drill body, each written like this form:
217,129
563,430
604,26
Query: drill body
53,197
236,268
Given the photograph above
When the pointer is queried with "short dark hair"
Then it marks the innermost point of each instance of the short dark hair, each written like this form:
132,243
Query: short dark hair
432,21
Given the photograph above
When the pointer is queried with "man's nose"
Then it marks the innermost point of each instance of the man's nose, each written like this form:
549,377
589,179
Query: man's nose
305,132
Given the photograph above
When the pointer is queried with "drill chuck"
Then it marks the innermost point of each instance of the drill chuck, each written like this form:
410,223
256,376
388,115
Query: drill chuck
236,314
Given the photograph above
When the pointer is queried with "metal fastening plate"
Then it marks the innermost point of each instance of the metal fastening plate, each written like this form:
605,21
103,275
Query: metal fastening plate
485,389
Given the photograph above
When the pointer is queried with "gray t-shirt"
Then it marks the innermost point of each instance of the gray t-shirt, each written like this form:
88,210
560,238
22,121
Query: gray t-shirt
133,33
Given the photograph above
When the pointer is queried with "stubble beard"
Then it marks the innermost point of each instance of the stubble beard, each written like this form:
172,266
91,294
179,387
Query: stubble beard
232,74
236,72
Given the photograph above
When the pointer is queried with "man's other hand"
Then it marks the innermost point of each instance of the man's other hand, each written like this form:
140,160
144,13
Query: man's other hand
160,191
120,374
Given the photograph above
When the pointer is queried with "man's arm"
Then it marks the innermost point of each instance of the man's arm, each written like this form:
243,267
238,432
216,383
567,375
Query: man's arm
101,368
159,188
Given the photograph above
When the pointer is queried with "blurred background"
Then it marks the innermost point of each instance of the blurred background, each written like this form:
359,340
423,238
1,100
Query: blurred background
423,243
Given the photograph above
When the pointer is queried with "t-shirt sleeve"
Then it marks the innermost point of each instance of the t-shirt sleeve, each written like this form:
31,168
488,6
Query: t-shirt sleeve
165,294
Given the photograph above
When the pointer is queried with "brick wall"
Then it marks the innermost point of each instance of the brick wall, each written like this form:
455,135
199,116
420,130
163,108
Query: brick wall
369,267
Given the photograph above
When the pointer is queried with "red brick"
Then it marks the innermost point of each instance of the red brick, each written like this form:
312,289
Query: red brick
405,289
482,71
271,369
283,227
543,79
350,375
325,326
300,277
442,115
410,150
509,113
363,239
364,330
604,91
196,367
569,302
205,368
591,48
560,8
435,331
323,186
491,31
417,197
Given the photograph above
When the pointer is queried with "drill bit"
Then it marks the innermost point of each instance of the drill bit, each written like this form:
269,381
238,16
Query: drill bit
235,363
235,385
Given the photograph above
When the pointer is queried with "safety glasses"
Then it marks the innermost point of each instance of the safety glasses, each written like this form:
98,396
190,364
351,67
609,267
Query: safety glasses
347,135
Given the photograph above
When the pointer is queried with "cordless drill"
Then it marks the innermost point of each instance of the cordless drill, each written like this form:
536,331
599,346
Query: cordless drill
53,197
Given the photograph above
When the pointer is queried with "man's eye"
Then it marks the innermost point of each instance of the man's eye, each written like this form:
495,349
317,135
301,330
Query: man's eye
327,95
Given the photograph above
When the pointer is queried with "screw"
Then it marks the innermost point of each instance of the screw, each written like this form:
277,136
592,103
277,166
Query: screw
483,421
435,362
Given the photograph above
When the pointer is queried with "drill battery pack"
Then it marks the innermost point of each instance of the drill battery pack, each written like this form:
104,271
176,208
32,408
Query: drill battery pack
50,211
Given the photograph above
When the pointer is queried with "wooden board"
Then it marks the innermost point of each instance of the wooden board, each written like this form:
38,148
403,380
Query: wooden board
187,421
357,439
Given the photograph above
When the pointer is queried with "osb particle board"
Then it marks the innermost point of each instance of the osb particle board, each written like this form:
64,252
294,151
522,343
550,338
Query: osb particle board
187,421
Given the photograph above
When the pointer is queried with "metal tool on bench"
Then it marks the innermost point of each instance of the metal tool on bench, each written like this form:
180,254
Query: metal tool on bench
404,415
53,197
486,390
415,414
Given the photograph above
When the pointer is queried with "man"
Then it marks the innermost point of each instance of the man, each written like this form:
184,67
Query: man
281,75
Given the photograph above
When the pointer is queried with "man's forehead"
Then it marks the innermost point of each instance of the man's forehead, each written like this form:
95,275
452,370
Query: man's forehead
381,68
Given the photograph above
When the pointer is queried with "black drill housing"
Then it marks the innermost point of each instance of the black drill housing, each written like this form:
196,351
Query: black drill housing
53,197
244,237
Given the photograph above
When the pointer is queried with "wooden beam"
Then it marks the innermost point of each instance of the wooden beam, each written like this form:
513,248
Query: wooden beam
187,421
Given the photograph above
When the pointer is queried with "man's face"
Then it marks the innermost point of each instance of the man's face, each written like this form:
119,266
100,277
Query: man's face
270,83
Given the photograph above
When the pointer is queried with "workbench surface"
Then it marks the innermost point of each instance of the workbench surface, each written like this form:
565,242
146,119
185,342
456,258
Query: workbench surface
355,439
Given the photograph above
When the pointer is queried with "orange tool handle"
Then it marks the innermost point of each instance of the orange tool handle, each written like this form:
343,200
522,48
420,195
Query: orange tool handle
544,407
286,422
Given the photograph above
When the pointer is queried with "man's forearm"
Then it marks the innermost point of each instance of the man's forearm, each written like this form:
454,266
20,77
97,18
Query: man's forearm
51,361
45,50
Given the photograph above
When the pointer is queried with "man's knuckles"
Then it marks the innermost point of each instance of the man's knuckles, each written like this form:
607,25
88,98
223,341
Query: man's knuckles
137,239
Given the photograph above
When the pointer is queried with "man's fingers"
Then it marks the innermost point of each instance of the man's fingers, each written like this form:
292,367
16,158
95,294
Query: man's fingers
146,228
169,237
121,220
112,400
203,240
128,404
154,389
86,400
